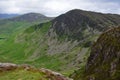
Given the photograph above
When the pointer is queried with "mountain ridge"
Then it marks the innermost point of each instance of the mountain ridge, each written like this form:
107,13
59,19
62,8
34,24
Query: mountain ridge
25,20
75,21
30,17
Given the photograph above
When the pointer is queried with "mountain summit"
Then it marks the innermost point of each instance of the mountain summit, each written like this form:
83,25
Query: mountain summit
75,22
10,24
30,17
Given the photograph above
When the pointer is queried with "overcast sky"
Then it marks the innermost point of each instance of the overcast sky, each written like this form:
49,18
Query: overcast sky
56,7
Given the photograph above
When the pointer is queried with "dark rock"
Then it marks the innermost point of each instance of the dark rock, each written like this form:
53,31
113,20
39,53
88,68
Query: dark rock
104,60
73,23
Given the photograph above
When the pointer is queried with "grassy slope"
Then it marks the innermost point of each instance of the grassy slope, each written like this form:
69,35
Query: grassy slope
9,30
31,47
22,75
9,50
9,27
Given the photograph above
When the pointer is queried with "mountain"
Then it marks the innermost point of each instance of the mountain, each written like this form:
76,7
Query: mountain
75,22
62,44
6,16
104,59
7,26
31,17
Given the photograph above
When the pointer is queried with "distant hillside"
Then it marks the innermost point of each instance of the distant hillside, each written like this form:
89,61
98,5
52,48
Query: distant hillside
7,26
104,59
31,17
62,44
6,16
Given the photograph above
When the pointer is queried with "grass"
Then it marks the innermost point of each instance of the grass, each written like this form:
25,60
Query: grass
29,46
12,51
22,75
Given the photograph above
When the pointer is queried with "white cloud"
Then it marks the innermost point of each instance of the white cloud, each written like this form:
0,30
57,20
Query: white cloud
56,7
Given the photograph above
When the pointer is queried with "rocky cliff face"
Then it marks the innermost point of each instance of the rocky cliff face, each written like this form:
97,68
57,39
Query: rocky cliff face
75,23
104,60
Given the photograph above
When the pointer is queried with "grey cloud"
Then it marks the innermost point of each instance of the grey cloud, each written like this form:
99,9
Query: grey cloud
56,7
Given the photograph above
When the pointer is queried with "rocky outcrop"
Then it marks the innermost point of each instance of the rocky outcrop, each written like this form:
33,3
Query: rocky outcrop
54,75
7,66
51,75
104,60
